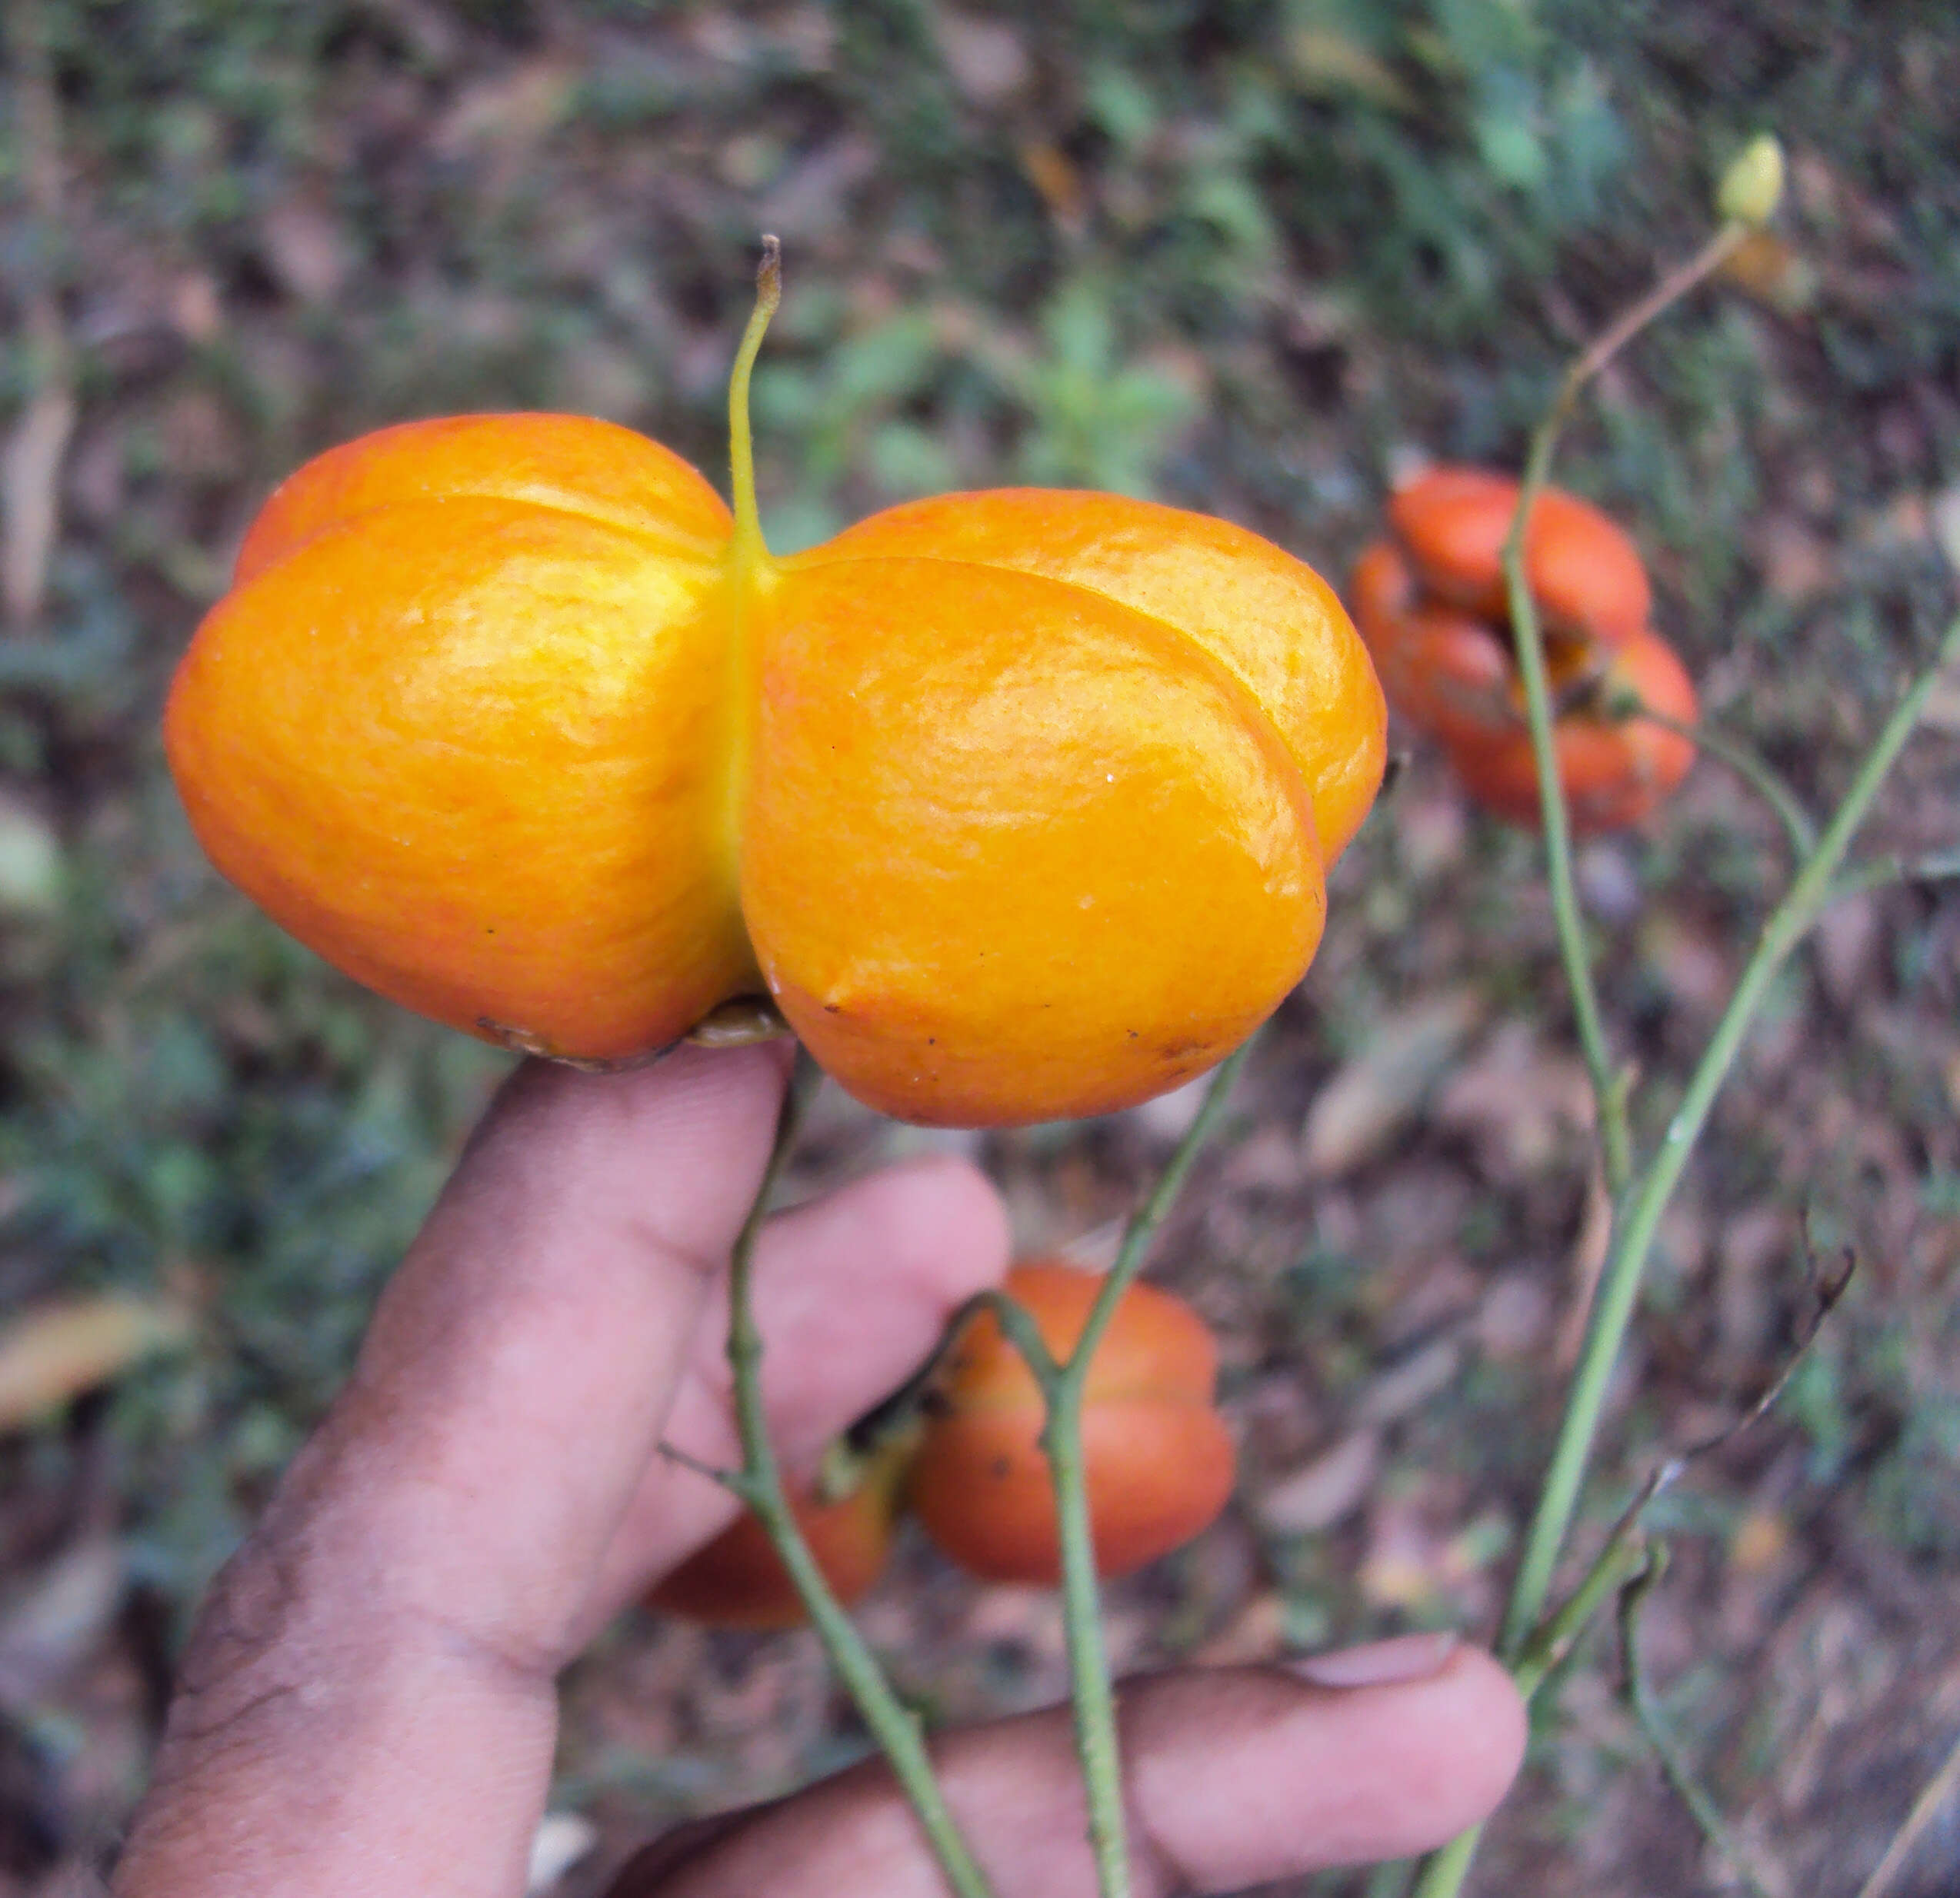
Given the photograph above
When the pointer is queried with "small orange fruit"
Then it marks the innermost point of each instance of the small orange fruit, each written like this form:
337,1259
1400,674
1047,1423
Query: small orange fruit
1159,1462
739,1580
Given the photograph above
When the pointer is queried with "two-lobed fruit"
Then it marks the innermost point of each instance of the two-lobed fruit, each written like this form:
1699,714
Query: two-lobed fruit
1019,804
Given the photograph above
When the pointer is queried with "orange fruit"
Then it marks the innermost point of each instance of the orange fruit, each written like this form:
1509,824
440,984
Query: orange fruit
1020,805
1158,1460
1585,574
1430,603
739,1580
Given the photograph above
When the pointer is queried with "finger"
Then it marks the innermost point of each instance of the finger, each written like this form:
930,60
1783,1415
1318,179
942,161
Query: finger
852,1292
1234,1777
367,1705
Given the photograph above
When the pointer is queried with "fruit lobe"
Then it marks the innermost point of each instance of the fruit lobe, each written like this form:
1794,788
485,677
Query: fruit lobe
1586,576
1158,1460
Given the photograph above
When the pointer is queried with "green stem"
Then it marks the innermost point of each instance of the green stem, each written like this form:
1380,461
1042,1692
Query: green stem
1620,1282
892,1724
1616,1564
1614,1139
1762,777
1064,1387
1615,1143
749,552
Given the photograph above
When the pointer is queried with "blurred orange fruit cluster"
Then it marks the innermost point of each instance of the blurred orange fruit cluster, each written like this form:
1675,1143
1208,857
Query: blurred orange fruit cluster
1429,598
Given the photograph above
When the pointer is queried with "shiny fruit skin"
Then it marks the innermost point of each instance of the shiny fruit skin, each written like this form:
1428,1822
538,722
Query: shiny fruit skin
1158,1459
1429,601
1019,803
739,1580
414,731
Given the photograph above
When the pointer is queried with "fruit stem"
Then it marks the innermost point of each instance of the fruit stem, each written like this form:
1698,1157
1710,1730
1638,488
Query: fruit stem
750,550
759,1484
1615,1138
1063,1387
1762,777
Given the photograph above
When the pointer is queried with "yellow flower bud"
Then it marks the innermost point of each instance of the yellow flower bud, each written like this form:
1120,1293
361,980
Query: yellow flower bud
1752,186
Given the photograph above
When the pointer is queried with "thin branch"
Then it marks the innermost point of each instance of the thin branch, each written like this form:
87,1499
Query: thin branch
1615,1140
1668,291
1553,1639
1640,1703
1881,872
894,1725
1063,1387
1798,826
1620,1285
1549,1648
1926,1808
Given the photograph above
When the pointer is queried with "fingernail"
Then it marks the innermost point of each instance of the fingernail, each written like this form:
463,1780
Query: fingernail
1380,1663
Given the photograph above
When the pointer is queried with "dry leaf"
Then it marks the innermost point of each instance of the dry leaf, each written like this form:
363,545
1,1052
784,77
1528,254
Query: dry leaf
307,249
986,59
1518,1099
1847,936
30,873
1327,63
56,1624
1328,1489
1410,1384
1053,174
1377,1093
30,484
511,113
56,1352
1257,1633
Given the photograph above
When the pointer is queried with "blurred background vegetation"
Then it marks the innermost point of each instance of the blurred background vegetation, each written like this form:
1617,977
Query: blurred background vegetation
1260,257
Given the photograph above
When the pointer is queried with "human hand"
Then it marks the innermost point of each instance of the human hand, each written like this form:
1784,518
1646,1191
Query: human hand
368,1704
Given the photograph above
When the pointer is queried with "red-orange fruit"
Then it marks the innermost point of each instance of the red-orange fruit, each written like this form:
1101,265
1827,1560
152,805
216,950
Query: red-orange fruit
1157,1458
1430,603
739,1581
1614,772
1586,574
